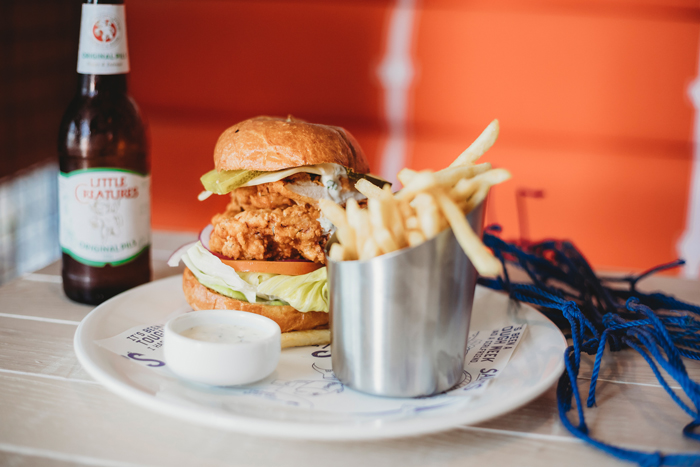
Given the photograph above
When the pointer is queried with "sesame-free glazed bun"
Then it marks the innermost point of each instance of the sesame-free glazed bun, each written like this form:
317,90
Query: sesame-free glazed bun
273,143
288,318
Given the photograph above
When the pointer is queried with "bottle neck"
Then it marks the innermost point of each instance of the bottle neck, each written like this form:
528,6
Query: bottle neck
103,48
92,85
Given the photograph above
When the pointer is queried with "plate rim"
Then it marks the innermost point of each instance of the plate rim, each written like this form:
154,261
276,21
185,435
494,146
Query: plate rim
286,429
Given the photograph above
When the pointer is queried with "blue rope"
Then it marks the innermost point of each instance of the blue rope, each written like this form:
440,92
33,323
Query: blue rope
594,314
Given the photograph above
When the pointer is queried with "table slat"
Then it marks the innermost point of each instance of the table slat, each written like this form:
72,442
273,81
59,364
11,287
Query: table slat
631,414
86,420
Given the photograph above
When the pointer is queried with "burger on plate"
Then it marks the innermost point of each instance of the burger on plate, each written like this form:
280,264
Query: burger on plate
265,253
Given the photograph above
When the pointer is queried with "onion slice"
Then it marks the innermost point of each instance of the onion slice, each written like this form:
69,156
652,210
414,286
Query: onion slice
177,255
204,237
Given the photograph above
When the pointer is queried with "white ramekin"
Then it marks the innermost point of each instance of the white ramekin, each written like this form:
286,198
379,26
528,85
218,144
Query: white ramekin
221,364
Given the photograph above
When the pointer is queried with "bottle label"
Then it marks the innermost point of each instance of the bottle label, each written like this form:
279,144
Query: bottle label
105,215
103,49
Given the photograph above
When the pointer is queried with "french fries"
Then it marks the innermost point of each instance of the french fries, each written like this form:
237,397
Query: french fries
337,252
480,145
359,220
428,204
428,214
481,258
369,189
346,234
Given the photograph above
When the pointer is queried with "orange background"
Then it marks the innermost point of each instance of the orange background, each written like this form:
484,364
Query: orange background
591,96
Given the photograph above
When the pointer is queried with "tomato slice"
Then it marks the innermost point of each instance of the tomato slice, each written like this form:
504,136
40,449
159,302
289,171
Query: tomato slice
288,268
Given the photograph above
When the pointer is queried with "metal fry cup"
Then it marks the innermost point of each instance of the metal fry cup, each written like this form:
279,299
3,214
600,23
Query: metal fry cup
400,321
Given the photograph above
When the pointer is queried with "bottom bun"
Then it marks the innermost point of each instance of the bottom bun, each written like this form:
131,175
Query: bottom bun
308,328
303,338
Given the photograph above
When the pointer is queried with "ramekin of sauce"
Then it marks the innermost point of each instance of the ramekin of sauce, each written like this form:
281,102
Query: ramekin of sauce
222,347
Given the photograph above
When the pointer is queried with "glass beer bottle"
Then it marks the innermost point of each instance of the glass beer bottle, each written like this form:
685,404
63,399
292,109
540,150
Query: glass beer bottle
104,180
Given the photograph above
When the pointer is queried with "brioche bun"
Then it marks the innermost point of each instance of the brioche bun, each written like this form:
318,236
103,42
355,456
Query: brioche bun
288,318
273,143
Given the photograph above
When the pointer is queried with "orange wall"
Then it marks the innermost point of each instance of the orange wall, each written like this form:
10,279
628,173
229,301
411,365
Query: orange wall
591,96
593,110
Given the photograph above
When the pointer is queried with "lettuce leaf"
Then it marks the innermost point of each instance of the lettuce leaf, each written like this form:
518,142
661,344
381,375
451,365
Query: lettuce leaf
209,268
308,292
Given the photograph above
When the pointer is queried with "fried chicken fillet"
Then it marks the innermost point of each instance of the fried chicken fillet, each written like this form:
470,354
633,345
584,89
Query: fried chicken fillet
270,222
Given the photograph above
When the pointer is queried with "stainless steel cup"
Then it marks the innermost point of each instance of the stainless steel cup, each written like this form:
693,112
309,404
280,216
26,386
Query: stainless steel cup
400,321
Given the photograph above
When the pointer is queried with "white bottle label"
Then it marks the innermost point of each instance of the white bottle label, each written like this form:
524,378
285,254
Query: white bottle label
103,49
105,215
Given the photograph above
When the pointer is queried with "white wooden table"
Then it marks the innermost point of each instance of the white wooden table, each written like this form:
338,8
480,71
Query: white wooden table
53,413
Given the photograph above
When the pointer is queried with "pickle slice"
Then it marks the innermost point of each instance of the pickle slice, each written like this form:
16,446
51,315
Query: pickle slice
227,180
355,177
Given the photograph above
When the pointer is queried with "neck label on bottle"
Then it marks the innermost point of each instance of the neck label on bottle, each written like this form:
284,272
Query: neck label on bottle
104,215
103,49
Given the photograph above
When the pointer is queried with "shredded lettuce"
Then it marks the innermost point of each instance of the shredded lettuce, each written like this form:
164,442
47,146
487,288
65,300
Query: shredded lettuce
308,292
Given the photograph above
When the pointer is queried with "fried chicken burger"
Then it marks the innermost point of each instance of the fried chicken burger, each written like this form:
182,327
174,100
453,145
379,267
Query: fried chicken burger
265,253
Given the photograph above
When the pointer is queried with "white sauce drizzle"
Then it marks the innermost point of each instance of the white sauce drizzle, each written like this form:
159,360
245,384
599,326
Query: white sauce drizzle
223,333
316,191
326,225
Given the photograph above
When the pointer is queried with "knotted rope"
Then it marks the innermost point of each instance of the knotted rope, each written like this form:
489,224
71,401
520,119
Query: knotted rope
592,313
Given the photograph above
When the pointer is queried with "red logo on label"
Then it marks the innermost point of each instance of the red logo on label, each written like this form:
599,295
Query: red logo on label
105,30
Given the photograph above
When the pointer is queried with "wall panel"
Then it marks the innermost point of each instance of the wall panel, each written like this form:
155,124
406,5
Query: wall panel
593,110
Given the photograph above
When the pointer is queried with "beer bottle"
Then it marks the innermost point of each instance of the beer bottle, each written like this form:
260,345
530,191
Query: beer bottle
104,180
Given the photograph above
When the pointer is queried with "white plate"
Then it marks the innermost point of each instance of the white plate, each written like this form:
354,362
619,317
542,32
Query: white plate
302,399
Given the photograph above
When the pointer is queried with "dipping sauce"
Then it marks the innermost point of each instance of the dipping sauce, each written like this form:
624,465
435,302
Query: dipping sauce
224,333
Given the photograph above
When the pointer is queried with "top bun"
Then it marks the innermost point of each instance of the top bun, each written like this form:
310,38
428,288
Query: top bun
273,143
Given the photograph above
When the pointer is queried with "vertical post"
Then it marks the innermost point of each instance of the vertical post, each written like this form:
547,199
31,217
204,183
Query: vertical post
521,205
396,74
689,245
